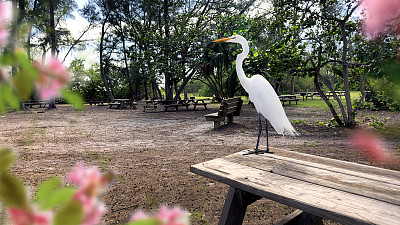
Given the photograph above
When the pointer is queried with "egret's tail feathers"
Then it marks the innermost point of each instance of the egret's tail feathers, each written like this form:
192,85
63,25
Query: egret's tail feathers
290,131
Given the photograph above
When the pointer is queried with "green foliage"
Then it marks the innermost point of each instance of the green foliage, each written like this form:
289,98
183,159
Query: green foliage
12,191
7,158
145,222
71,214
73,98
7,98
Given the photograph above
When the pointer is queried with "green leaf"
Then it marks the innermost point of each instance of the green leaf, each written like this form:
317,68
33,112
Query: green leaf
73,98
71,214
58,197
12,191
47,187
26,65
255,54
7,98
23,85
7,158
145,222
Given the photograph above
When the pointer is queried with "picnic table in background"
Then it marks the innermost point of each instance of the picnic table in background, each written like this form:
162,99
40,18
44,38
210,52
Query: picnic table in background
121,103
176,104
96,101
329,94
41,104
318,187
288,98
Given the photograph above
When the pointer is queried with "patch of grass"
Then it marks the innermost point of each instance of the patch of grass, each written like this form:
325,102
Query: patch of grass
102,160
199,217
29,137
152,202
299,121
204,189
391,131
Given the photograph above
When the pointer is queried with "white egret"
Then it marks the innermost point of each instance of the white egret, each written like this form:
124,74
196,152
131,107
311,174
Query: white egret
262,95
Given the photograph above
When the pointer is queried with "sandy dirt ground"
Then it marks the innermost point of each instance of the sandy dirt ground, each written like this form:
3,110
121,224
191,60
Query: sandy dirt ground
151,153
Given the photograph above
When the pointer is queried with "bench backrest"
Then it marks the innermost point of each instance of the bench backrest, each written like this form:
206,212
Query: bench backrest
231,105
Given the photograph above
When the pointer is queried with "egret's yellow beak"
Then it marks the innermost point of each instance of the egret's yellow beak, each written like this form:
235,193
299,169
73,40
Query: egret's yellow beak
224,39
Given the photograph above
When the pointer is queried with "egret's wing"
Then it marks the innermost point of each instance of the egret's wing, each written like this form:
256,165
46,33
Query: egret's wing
268,104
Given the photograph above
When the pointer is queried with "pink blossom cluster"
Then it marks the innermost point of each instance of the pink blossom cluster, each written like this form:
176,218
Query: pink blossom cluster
369,144
30,217
5,18
165,216
380,16
91,182
52,77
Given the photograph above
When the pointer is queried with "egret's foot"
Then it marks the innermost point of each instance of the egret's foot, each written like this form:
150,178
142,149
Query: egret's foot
258,152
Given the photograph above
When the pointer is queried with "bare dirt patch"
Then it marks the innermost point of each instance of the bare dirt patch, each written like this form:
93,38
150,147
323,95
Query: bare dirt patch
151,153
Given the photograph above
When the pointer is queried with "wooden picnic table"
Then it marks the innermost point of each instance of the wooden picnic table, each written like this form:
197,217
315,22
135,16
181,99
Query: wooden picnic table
121,103
288,98
344,192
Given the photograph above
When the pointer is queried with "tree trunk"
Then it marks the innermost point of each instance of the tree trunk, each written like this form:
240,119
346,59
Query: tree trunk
350,122
146,94
103,75
184,83
292,83
323,96
128,74
52,103
185,93
168,76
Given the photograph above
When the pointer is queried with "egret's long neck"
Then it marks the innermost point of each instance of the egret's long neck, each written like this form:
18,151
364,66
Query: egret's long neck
239,65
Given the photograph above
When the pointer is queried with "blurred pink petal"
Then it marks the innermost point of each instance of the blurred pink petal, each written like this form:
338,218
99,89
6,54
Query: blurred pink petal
93,209
369,144
5,17
380,16
176,216
139,215
90,183
22,217
52,77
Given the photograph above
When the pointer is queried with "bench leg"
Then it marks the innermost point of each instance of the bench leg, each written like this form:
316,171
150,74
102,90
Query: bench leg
300,217
235,206
217,124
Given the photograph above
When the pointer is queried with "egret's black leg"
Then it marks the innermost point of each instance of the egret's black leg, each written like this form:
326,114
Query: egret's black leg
266,131
259,132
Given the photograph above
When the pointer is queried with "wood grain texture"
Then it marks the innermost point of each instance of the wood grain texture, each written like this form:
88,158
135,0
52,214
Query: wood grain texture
345,192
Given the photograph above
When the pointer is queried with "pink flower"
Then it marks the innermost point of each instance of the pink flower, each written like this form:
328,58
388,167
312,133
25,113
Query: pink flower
165,216
174,216
139,215
370,145
93,209
5,17
25,217
380,16
52,77
90,183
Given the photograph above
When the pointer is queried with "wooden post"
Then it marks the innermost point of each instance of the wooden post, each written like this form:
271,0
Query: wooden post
235,206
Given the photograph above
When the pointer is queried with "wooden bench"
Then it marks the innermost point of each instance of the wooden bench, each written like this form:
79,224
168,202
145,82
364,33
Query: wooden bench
318,187
229,108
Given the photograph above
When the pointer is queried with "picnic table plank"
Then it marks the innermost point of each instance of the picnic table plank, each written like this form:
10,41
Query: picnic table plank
265,176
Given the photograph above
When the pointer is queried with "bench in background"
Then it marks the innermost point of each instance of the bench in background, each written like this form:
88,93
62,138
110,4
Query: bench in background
229,108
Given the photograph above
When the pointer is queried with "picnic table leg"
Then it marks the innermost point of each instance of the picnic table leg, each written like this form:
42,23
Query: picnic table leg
230,118
235,206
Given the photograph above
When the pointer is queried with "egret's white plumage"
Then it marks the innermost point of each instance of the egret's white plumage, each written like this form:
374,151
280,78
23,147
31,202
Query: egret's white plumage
261,92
